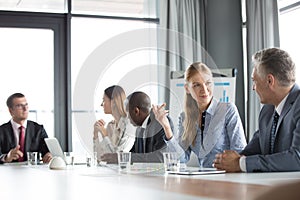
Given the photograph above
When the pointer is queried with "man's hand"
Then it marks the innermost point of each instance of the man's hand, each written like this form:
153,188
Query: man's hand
228,161
110,158
14,154
47,157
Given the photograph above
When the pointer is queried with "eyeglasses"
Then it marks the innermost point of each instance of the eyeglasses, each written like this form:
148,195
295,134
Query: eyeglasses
21,106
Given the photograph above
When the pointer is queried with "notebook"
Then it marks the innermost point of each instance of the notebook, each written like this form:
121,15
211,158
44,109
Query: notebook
197,171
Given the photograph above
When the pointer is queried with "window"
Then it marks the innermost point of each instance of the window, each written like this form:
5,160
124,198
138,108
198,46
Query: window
289,30
124,8
53,6
91,23
27,67
101,58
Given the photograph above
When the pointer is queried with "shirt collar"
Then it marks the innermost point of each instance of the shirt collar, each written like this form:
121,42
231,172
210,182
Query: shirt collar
144,125
281,104
15,125
212,106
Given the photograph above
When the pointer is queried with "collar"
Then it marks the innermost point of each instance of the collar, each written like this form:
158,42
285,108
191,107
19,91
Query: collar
212,106
16,126
145,123
281,104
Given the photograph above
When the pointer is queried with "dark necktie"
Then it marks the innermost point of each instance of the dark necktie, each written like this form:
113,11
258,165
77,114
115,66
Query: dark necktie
273,130
140,141
22,141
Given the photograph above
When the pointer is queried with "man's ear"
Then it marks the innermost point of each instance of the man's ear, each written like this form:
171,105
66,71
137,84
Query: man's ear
186,87
136,111
271,79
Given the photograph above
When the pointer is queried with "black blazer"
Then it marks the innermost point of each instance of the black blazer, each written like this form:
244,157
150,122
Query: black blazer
154,142
34,139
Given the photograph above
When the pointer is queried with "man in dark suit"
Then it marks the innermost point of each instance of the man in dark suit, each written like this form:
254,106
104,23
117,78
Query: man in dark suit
19,135
150,136
276,144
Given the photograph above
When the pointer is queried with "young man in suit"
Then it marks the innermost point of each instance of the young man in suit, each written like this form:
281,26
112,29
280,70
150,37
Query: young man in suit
275,146
19,135
150,136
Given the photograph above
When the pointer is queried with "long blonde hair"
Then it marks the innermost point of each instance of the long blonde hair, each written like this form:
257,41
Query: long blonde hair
191,109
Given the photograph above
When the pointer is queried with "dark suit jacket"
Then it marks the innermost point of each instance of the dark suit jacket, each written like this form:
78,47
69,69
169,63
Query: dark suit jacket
34,139
286,156
154,142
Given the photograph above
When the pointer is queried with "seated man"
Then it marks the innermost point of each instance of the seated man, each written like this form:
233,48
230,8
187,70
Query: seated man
19,135
275,146
149,142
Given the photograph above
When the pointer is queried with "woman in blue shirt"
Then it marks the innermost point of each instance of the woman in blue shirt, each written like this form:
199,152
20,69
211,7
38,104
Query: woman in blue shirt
206,126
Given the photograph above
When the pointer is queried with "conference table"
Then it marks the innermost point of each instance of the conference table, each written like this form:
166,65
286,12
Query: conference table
144,181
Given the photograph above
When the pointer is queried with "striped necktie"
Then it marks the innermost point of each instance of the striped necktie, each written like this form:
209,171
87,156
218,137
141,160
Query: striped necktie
273,131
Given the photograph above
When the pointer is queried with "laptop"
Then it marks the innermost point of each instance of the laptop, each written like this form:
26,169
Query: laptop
54,147
197,171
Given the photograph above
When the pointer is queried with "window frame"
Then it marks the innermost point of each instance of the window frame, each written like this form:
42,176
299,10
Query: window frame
60,26
60,23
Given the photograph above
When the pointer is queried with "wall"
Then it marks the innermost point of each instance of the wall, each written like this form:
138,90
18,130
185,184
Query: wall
224,41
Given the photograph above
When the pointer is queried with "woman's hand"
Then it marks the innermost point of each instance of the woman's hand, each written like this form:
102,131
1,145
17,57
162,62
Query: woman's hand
161,116
99,126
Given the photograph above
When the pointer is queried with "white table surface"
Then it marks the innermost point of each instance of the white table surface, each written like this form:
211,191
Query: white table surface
24,182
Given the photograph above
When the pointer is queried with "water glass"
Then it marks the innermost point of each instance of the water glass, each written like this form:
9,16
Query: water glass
32,158
69,158
124,160
171,161
91,160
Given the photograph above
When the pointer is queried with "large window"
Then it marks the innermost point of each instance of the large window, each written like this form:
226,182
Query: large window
55,6
36,59
27,67
290,30
107,52
124,8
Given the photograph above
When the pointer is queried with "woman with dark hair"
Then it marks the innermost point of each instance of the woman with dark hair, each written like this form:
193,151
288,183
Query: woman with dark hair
119,134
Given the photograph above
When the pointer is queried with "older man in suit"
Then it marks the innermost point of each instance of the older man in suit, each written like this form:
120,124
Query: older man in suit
275,147
150,136
19,135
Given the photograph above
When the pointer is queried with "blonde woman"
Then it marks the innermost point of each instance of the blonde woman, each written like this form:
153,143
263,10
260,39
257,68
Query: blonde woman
119,134
206,126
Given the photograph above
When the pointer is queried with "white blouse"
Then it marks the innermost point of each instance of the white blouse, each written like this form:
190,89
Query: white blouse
120,137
